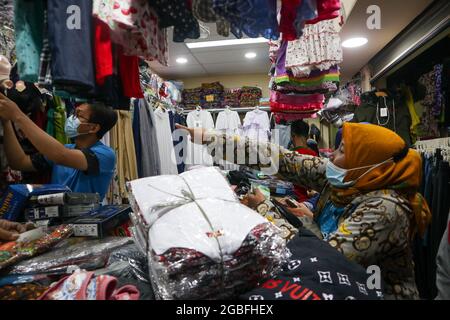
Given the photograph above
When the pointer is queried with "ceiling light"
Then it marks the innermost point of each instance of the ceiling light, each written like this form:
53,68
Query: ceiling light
354,42
221,43
181,60
250,55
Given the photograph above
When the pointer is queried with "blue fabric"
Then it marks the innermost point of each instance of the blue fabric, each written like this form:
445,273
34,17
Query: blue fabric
329,218
137,137
71,49
313,201
78,181
181,144
306,11
254,18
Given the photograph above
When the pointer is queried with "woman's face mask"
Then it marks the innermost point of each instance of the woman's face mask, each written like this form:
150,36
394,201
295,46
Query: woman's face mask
336,175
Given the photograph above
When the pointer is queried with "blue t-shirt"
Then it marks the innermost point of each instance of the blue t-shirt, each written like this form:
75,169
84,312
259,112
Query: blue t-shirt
101,163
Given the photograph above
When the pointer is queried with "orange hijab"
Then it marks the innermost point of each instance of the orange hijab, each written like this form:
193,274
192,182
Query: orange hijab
367,144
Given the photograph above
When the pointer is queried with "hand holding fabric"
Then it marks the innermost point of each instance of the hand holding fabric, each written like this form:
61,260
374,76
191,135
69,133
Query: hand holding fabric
8,108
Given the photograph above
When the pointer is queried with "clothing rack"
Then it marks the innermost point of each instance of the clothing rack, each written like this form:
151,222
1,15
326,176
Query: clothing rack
431,146
238,110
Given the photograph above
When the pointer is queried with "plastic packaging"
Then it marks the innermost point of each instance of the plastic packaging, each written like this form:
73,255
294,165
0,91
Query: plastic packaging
202,243
13,252
128,262
88,254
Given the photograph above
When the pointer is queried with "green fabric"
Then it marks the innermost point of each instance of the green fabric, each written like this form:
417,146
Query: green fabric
29,29
60,121
50,122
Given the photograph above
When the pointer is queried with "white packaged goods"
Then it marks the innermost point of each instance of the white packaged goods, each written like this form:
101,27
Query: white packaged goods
202,243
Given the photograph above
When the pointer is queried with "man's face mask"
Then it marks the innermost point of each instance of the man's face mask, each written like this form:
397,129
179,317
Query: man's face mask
71,127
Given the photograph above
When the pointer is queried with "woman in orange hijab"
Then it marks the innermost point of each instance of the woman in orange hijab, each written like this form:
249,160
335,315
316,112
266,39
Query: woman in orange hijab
369,207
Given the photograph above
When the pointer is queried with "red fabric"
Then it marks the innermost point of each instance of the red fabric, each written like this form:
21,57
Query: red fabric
293,108
326,10
300,192
129,74
289,10
102,52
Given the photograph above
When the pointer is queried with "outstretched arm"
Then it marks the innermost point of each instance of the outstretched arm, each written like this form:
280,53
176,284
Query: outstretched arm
305,170
48,146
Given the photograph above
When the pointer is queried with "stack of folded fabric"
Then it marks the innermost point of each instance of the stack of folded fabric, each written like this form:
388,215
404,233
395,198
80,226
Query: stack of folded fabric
194,246
212,95
192,98
250,97
231,97
288,106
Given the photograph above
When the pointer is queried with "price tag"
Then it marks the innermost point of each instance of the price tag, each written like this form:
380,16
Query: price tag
209,98
384,112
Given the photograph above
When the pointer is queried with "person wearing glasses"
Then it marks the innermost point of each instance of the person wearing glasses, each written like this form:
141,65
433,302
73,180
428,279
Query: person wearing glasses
87,165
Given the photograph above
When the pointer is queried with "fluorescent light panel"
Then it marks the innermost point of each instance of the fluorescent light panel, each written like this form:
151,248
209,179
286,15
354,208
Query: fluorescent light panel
223,43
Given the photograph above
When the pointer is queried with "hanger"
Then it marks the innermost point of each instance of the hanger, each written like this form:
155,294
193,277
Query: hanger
198,108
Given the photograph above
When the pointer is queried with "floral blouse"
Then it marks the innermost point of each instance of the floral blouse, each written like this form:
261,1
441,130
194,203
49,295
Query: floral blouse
374,227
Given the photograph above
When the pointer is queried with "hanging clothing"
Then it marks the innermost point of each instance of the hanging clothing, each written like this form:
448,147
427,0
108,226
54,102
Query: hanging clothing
318,48
198,154
284,135
179,139
29,29
398,118
203,11
45,71
228,122
103,52
257,125
67,31
121,136
129,73
165,142
254,17
134,25
150,159
177,13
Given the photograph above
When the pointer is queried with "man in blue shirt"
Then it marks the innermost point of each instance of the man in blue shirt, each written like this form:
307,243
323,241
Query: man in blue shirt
85,166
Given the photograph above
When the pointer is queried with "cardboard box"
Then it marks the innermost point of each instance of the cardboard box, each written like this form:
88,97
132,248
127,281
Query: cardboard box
63,212
99,222
16,197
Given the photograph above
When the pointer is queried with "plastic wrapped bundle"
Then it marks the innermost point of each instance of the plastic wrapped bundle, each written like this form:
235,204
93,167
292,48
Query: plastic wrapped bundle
250,97
202,243
13,252
192,98
231,98
212,95
88,255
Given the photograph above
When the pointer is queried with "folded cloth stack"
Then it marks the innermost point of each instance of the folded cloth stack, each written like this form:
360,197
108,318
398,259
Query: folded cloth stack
212,95
231,98
250,97
195,248
192,98
294,106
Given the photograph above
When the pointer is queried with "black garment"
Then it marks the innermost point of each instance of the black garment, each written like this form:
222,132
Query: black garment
316,271
399,117
436,189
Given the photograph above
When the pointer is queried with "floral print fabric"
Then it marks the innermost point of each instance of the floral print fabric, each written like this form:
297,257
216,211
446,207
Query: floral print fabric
135,26
318,48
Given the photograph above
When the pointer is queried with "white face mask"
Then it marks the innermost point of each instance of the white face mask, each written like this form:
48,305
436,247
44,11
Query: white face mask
336,175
